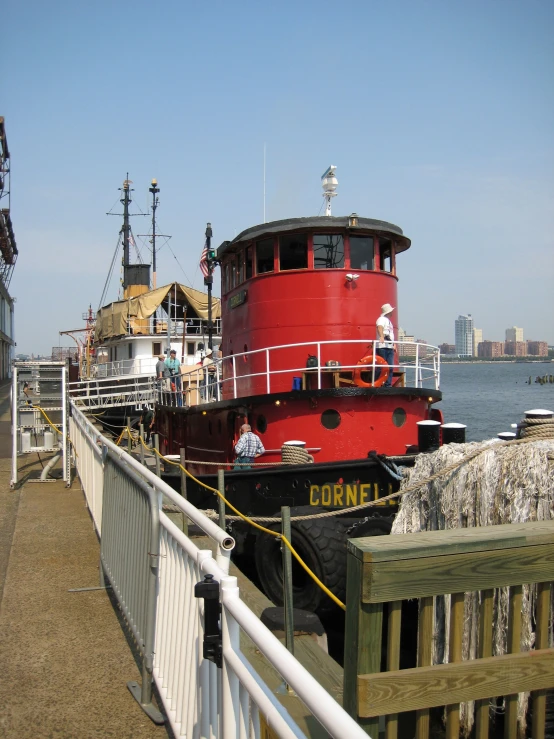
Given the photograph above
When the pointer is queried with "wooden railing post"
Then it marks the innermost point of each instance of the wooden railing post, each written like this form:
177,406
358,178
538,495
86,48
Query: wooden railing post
362,640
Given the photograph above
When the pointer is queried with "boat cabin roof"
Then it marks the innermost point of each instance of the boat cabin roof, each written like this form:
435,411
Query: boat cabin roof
353,223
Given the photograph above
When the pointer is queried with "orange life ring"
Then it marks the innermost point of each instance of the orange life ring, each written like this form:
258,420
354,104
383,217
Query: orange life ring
384,371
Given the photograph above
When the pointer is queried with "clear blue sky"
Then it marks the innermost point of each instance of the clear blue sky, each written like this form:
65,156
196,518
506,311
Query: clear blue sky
438,114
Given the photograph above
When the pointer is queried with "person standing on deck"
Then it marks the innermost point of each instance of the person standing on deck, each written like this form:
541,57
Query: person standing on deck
174,368
160,367
385,337
247,448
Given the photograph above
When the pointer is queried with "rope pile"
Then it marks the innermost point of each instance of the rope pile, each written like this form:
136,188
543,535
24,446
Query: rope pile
536,428
291,454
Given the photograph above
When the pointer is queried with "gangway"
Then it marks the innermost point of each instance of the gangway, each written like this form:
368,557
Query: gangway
111,392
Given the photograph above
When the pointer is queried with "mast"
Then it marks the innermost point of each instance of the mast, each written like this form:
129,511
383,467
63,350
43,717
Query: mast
154,189
126,228
208,281
329,183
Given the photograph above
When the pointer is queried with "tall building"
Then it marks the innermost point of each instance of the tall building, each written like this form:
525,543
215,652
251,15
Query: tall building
514,334
409,349
464,335
477,339
515,348
537,348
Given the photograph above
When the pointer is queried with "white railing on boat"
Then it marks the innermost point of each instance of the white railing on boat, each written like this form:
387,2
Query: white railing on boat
153,569
158,326
418,366
113,392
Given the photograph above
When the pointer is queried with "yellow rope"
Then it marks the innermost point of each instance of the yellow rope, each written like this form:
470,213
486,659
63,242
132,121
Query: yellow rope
53,425
276,534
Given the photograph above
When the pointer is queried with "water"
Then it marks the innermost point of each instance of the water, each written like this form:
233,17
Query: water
488,397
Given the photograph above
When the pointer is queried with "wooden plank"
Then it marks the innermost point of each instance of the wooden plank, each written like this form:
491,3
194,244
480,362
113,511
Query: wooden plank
455,655
422,687
435,543
362,642
485,650
514,646
541,642
424,656
393,658
456,573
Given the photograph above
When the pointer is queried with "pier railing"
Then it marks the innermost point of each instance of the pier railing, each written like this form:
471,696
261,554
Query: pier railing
482,577
153,569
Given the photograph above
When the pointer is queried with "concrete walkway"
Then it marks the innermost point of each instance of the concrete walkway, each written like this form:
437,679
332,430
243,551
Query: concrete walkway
64,657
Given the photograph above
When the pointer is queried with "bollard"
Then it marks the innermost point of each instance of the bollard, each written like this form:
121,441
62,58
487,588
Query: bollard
539,413
507,435
141,439
453,433
184,489
221,488
428,435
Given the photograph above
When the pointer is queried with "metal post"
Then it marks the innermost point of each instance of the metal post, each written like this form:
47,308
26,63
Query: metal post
221,488
128,424
65,422
141,433
208,281
15,426
184,489
287,581
157,448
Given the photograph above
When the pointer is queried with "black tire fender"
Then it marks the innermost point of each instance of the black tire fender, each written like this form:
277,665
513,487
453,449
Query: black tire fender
321,543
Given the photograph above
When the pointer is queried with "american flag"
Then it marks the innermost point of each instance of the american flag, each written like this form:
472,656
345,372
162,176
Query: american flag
204,268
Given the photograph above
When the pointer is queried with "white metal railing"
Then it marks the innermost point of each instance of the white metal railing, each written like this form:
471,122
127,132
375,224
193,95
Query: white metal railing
421,368
200,699
158,326
110,392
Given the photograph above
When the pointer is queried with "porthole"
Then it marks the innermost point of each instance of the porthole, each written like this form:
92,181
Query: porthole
399,417
261,424
330,419
294,484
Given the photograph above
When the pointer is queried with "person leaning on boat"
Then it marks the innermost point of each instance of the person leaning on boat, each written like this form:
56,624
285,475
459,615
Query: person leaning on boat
385,337
247,448
160,368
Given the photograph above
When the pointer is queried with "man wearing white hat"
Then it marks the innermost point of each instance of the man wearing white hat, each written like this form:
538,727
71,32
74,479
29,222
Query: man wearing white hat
385,337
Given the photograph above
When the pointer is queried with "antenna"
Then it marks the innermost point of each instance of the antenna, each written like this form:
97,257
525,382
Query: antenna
329,183
264,185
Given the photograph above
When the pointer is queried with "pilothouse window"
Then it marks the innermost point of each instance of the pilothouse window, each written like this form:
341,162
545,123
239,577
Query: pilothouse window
293,252
385,251
248,263
328,251
264,256
361,252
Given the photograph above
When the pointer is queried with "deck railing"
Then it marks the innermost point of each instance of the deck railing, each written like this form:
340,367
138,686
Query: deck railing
418,366
469,565
153,569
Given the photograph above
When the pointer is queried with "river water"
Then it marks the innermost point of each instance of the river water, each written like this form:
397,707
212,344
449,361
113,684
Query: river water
488,397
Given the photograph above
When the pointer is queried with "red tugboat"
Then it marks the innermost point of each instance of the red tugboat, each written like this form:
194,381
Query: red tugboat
298,362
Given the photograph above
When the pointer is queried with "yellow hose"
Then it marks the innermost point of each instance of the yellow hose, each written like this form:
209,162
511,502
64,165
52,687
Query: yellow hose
284,539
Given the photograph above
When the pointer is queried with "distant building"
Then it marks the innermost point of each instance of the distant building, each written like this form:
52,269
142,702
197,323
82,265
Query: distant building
477,339
514,334
447,348
515,348
491,349
409,350
464,336
8,258
537,348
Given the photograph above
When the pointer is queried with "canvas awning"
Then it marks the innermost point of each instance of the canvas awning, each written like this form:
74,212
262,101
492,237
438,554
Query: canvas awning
112,320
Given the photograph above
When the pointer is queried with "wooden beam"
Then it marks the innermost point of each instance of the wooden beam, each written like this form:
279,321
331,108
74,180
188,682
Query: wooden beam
456,573
425,687
435,543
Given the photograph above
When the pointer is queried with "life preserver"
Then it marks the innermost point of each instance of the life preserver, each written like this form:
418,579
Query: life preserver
384,371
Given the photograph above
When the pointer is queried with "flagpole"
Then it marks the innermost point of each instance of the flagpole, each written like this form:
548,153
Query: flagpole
208,281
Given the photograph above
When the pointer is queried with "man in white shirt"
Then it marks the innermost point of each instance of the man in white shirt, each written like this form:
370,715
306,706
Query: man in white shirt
385,337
